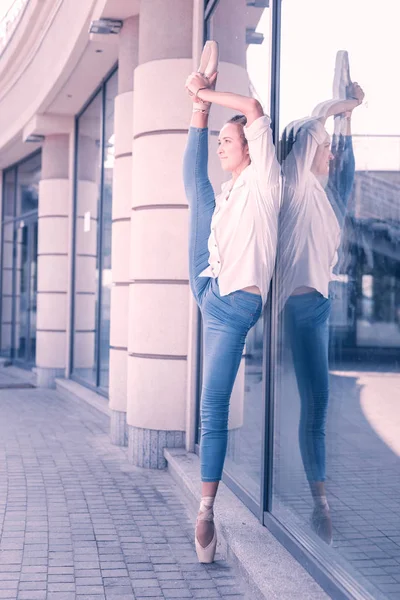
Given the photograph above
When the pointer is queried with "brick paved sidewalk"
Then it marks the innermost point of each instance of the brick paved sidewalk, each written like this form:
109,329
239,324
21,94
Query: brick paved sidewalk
79,522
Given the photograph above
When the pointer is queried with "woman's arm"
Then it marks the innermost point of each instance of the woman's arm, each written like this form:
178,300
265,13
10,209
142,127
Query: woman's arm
308,135
330,108
250,107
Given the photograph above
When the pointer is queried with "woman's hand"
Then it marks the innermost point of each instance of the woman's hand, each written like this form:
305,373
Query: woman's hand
194,82
197,81
355,91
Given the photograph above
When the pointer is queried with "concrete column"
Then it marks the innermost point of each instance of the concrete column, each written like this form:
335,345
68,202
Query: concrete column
121,217
52,260
158,294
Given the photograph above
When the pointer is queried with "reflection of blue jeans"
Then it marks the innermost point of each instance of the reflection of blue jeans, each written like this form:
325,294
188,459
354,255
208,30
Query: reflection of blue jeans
226,319
306,320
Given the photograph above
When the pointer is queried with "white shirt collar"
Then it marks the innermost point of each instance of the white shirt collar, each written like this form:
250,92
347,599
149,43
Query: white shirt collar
228,186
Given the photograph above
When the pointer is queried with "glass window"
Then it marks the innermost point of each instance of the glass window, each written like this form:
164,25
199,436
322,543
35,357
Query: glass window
86,240
9,193
337,422
29,173
95,158
243,35
19,260
108,167
7,288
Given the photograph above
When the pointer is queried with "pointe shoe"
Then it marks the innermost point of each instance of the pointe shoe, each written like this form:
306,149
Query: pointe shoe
321,524
207,67
207,554
341,79
209,59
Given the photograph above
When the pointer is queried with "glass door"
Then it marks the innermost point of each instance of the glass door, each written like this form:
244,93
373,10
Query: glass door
25,290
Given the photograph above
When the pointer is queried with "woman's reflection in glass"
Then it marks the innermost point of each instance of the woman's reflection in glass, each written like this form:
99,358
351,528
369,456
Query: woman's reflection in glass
317,180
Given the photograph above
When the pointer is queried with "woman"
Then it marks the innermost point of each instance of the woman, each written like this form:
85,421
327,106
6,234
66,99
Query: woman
232,250
309,238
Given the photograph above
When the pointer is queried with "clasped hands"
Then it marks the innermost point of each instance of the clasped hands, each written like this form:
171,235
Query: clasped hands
196,82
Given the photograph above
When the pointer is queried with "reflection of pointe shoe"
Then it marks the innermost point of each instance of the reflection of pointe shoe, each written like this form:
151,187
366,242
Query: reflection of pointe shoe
321,523
207,554
209,59
341,79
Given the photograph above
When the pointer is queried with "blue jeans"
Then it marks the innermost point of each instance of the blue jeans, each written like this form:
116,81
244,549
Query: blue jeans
226,319
306,323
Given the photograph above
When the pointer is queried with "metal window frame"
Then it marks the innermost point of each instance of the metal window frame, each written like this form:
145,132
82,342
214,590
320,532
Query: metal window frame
102,90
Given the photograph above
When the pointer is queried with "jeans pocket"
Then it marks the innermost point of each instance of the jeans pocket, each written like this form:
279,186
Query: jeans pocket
247,304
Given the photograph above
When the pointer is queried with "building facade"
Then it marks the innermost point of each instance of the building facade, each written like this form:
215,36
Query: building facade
94,272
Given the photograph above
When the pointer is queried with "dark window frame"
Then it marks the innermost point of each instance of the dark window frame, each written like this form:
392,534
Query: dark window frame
101,89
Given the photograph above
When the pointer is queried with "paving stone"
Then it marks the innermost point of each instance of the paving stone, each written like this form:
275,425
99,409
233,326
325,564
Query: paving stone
171,594
61,587
32,585
90,589
9,585
34,595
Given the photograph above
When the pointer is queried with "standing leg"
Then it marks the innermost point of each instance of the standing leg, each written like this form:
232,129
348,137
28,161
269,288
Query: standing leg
226,324
307,320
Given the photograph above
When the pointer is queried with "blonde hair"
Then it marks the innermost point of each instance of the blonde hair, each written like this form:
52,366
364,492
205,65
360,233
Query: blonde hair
240,120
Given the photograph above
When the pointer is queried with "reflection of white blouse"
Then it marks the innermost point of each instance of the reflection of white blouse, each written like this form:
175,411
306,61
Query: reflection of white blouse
243,238
309,232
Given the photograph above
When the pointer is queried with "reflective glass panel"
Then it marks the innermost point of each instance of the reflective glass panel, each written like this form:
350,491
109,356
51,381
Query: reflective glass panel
337,416
28,177
108,167
9,194
21,291
87,229
7,288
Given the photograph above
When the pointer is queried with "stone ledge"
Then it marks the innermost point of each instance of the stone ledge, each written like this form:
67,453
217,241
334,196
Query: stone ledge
79,393
269,569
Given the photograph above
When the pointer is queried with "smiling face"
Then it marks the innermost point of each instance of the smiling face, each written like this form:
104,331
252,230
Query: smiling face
322,158
233,150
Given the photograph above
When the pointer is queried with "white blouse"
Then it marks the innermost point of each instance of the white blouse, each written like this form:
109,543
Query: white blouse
243,238
309,232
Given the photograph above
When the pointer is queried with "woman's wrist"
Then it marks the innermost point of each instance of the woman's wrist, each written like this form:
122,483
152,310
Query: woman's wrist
203,94
197,97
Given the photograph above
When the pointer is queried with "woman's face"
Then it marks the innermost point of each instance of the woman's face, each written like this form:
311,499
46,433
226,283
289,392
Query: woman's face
322,158
232,152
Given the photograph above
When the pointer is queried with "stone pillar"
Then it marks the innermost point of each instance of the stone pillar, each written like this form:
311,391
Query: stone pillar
158,294
52,260
121,217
